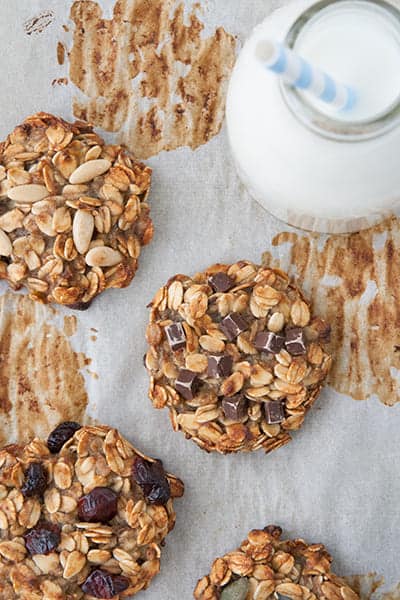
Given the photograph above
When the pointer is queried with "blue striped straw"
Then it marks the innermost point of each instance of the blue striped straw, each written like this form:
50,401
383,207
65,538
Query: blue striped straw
300,74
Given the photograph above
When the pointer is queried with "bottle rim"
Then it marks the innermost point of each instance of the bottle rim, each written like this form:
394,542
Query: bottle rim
309,115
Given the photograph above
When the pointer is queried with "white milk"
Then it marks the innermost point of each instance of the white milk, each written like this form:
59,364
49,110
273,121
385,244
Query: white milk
357,47
297,166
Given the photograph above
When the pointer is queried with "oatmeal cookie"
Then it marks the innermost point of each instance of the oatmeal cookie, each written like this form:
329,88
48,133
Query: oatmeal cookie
73,211
266,567
236,356
82,516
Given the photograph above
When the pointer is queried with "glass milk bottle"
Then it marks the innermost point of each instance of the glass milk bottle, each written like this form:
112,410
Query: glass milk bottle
309,165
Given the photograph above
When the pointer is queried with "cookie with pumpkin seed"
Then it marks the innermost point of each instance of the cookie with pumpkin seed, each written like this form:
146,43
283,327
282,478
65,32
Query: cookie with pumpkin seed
266,567
236,356
83,515
73,211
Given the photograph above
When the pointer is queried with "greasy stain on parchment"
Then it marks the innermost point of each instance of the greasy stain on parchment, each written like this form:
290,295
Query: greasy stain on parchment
354,282
369,584
150,73
59,81
41,382
60,53
70,325
39,23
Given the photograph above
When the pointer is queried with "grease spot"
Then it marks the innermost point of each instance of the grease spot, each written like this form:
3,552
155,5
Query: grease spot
92,374
41,382
39,23
60,53
70,325
149,73
368,584
60,81
353,282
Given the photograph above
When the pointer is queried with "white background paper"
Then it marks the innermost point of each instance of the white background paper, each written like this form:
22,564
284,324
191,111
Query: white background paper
338,481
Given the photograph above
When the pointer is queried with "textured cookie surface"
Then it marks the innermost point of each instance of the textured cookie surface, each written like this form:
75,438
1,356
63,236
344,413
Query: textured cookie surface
266,567
73,211
82,516
236,356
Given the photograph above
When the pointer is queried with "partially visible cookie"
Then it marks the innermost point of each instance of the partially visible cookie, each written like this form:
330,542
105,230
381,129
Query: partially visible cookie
82,516
236,356
266,567
73,211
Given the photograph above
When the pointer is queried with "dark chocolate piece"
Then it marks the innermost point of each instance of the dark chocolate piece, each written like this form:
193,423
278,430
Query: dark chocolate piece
219,365
235,407
266,341
176,336
233,324
295,343
187,383
221,282
274,412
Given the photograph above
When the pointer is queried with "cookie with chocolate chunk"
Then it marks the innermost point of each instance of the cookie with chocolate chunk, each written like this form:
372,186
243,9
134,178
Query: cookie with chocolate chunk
74,213
236,356
264,566
83,515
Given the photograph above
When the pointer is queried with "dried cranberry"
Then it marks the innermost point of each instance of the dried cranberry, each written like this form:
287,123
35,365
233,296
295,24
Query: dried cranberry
35,480
151,478
60,435
43,538
100,505
101,584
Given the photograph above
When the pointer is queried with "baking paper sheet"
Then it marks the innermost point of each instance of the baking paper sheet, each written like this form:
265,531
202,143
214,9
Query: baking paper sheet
338,481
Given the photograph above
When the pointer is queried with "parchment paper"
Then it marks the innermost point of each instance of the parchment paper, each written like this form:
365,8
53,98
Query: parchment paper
338,481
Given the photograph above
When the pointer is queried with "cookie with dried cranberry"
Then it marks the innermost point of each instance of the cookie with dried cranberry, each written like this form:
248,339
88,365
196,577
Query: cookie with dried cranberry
264,566
83,515
74,213
236,356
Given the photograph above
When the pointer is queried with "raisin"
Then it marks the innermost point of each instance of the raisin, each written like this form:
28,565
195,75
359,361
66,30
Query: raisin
60,435
35,482
273,530
101,584
100,505
151,478
80,305
43,538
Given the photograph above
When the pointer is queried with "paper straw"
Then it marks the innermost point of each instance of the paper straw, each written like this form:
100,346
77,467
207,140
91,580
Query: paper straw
300,74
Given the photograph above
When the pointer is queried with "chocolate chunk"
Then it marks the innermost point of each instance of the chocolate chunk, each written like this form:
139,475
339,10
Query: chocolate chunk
274,412
235,407
295,343
187,383
233,324
266,341
221,282
176,336
219,365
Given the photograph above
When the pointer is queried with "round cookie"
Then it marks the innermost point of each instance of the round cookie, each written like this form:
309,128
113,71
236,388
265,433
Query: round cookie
74,212
82,516
236,356
266,567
